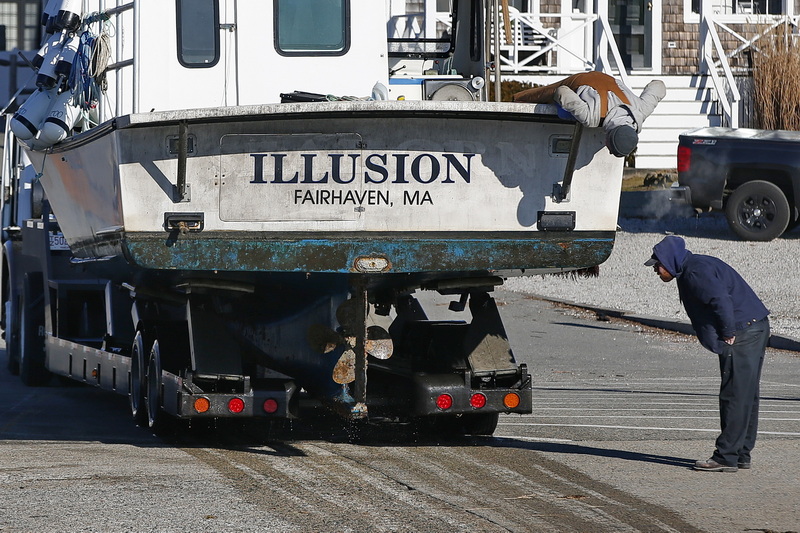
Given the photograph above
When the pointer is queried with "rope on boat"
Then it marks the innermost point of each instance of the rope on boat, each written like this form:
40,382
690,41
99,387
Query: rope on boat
87,79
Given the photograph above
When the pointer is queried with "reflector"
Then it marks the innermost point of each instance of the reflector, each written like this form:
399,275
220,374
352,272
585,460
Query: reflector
270,405
202,405
511,400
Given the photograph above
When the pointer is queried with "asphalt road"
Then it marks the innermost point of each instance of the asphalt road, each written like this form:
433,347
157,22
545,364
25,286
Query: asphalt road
620,415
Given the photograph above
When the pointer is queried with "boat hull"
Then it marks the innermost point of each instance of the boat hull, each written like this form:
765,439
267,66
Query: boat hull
378,188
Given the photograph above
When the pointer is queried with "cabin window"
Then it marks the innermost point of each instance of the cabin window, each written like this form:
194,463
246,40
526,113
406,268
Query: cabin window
411,34
198,33
312,27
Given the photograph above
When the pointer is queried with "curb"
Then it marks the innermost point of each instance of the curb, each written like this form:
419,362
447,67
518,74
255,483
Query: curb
779,342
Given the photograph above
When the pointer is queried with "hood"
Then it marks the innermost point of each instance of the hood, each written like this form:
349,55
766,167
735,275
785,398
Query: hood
671,252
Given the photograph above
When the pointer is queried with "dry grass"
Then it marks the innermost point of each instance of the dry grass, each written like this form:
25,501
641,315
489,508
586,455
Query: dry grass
508,89
776,82
648,179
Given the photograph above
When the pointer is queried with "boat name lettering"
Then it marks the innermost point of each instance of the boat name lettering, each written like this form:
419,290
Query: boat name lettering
342,168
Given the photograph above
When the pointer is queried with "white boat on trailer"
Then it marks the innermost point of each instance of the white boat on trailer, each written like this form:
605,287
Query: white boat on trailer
269,235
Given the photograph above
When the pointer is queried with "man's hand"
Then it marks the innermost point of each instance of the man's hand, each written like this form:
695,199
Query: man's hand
730,341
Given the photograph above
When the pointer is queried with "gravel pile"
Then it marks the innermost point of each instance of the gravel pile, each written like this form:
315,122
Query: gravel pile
626,284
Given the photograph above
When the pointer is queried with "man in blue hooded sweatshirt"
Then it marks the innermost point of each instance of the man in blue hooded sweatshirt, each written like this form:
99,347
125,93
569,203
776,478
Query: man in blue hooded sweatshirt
730,320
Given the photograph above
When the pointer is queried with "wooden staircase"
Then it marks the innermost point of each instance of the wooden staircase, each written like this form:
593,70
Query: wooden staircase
690,103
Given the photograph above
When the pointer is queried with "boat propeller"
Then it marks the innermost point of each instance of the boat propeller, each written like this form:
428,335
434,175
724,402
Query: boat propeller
377,340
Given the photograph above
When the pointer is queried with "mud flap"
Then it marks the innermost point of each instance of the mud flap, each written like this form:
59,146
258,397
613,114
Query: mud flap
486,342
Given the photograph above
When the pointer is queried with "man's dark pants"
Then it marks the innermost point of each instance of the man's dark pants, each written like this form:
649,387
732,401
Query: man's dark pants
740,365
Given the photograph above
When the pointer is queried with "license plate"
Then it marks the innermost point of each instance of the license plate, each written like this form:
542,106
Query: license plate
57,241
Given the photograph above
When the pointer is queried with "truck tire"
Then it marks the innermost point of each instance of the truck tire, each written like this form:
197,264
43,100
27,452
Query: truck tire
481,424
140,352
450,427
32,370
156,417
11,332
758,211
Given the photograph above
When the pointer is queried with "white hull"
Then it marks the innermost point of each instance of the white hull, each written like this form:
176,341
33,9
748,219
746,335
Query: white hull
296,187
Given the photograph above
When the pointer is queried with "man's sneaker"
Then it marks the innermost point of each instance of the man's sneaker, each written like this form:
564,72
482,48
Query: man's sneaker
712,466
744,466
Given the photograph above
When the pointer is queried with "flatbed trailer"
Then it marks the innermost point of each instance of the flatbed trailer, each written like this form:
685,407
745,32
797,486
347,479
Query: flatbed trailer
213,240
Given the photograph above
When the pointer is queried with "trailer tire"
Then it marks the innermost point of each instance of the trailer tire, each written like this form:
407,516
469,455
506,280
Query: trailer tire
140,352
11,332
156,417
481,424
32,370
758,211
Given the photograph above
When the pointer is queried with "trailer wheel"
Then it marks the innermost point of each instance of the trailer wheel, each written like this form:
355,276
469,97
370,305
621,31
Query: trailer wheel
482,424
153,392
136,388
11,332
32,370
758,211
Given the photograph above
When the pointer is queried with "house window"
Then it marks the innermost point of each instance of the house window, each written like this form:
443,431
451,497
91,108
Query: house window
312,27
733,10
20,25
198,33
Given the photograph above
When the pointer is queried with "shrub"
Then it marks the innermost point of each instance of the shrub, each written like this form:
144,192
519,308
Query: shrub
776,82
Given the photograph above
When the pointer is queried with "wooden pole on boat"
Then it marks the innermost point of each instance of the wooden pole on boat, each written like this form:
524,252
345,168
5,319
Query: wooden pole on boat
507,23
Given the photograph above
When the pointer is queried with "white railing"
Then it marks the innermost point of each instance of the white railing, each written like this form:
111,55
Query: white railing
409,26
714,58
585,37
710,42
412,26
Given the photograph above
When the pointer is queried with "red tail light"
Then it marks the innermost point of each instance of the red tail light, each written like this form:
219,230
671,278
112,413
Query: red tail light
236,405
444,401
270,405
684,155
477,400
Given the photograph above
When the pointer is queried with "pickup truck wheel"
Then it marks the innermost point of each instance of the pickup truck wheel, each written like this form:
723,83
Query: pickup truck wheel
758,211
136,389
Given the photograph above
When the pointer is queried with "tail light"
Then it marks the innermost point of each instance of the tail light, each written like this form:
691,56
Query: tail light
684,156
236,405
444,401
477,400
